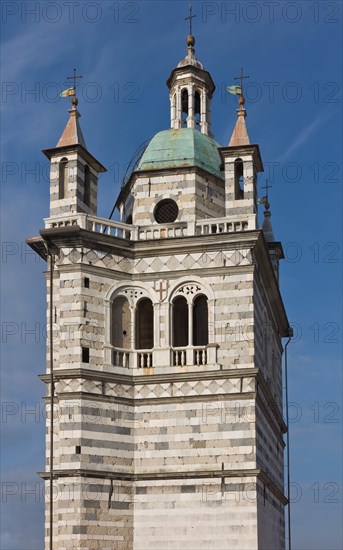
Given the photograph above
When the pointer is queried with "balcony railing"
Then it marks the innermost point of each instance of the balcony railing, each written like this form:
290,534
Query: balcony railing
210,226
148,358
191,355
132,359
120,358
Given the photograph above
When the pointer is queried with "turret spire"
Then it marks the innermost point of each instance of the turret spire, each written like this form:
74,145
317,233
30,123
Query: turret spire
267,226
72,133
240,133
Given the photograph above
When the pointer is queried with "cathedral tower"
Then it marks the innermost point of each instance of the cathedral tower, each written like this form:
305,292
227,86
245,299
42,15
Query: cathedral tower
167,345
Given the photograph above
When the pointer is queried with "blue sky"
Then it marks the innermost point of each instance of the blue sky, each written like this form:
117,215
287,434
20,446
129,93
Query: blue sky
125,52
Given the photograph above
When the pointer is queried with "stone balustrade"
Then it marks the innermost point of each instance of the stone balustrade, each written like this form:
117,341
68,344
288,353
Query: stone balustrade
179,357
126,231
132,359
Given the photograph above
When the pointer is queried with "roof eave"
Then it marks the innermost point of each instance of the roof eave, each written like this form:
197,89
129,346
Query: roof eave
196,70
49,153
253,148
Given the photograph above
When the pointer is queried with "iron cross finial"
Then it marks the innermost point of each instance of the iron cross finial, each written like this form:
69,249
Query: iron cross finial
74,78
190,17
267,187
241,78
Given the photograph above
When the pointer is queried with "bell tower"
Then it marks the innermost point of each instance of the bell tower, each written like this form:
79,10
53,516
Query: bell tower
165,377
190,92
73,171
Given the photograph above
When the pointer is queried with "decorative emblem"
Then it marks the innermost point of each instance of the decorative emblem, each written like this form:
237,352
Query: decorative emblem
161,288
189,289
133,293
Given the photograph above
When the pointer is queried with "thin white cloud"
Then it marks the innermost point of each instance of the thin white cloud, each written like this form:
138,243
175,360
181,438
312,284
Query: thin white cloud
305,134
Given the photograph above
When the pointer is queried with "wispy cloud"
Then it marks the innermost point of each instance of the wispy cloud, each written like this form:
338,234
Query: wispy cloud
305,134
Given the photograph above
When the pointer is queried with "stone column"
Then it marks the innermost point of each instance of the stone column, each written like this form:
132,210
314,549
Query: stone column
178,116
189,352
173,110
108,327
190,117
203,113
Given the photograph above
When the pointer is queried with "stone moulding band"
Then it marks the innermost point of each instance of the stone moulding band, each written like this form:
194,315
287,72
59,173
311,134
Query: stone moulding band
153,476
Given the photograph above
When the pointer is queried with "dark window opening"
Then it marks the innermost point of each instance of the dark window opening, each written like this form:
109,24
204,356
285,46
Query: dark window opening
184,106
63,178
197,108
129,219
78,449
239,179
85,355
86,282
200,321
180,322
145,324
166,211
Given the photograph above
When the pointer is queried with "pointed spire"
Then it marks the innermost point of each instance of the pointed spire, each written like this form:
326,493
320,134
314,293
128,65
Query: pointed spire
267,226
240,133
72,133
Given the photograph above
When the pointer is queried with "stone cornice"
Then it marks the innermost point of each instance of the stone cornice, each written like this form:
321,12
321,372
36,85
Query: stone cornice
148,379
267,405
153,476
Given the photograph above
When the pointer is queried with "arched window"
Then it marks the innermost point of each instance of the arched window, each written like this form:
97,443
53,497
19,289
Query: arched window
180,322
239,179
144,324
184,106
63,178
197,108
121,327
200,321
129,219
87,187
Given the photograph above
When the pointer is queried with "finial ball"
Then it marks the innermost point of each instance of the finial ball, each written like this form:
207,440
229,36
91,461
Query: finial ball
190,40
241,100
74,101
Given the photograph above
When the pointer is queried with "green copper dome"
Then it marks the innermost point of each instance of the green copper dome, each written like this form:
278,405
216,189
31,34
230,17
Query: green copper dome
179,148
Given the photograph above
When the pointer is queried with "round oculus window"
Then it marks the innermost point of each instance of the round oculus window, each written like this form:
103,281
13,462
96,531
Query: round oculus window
166,211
